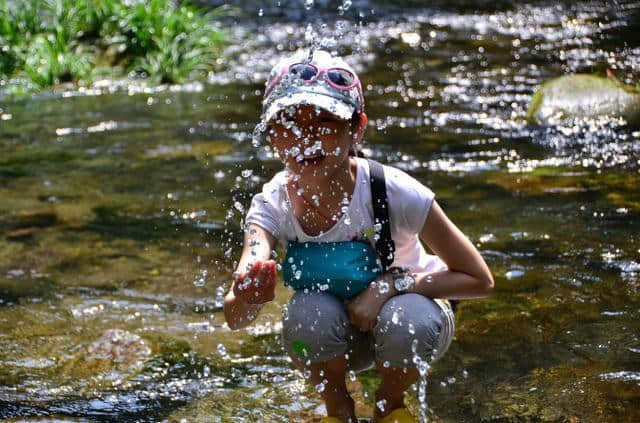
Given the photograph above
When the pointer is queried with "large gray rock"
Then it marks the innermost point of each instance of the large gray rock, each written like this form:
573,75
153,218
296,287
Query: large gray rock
584,96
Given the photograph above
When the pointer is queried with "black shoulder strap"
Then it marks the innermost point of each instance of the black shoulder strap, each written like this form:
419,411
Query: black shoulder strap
385,247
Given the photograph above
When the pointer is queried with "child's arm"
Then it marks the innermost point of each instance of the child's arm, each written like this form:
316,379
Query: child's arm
468,275
254,279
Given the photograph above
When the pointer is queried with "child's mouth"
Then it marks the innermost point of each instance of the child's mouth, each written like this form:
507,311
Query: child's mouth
312,161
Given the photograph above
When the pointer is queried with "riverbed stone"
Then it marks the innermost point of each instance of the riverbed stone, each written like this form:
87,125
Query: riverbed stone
584,96
120,346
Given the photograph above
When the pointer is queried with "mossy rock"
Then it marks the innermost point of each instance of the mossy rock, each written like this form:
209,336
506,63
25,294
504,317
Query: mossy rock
584,96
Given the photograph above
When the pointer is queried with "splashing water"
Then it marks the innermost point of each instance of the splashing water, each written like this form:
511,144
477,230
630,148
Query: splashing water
201,280
308,4
423,370
222,350
346,5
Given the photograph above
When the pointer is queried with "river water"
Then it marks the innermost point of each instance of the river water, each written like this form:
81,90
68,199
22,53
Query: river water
122,203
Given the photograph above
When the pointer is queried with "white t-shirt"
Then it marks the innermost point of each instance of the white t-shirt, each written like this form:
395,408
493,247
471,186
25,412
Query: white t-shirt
409,203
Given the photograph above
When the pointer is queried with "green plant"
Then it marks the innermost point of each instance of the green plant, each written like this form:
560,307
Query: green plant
19,21
51,59
45,42
168,41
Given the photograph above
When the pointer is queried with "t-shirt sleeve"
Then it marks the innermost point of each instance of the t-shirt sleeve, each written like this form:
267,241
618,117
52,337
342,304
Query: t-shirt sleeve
266,208
409,201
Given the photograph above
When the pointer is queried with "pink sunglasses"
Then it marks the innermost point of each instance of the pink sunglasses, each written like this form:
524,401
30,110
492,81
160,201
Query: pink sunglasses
339,78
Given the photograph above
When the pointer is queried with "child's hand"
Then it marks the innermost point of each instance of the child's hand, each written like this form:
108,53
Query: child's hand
258,284
364,308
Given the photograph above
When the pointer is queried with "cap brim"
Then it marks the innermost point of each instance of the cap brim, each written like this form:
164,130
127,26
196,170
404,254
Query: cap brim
330,104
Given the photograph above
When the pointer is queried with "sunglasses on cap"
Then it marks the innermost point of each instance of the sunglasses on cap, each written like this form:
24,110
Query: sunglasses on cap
339,78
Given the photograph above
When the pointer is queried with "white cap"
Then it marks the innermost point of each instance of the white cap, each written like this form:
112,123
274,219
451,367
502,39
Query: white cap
290,90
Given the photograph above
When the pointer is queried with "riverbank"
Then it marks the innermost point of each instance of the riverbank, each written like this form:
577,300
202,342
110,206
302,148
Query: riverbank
45,44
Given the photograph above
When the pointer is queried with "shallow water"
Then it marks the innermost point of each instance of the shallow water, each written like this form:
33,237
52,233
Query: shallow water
122,206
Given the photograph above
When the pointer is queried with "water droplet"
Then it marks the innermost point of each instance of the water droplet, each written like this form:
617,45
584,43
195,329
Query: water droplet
308,4
423,368
403,283
380,404
246,173
261,12
412,330
222,350
308,33
352,375
238,205
320,387
383,287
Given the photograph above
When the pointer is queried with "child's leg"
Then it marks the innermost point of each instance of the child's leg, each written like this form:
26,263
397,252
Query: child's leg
317,336
331,374
409,325
394,382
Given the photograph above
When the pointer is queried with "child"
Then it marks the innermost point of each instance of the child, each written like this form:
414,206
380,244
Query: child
343,320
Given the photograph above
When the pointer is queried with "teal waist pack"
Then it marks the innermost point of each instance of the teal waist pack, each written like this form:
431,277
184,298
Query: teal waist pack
341,268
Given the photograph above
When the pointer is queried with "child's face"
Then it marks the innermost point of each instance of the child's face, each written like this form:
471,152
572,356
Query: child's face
311,141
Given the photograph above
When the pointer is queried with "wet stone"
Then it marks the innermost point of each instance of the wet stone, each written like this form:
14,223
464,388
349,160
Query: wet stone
30,220
120,346
584,96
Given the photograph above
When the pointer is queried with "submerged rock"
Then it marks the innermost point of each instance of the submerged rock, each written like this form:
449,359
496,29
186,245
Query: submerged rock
120,346
584,96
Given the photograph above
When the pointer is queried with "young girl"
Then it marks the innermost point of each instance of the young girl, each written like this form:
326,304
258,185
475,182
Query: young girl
347,313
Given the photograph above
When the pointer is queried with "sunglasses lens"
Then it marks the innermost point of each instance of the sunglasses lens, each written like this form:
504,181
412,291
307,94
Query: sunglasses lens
304,72
341,77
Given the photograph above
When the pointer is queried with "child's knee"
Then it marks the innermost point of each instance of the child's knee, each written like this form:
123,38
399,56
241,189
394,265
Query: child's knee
409,325
314,327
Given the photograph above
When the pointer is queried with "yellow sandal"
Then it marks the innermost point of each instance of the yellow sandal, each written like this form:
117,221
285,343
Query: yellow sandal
399,415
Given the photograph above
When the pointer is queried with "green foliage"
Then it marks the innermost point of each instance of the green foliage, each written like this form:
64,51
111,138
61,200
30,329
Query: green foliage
19,22
166,41
51,59
51,41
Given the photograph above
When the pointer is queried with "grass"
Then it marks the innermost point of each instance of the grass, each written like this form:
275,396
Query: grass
48,42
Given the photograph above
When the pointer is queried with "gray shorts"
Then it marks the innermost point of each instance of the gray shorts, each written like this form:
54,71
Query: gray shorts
316,328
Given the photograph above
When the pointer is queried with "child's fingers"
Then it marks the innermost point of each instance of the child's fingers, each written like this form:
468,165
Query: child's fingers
239,276
255,269
271,275
261,276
